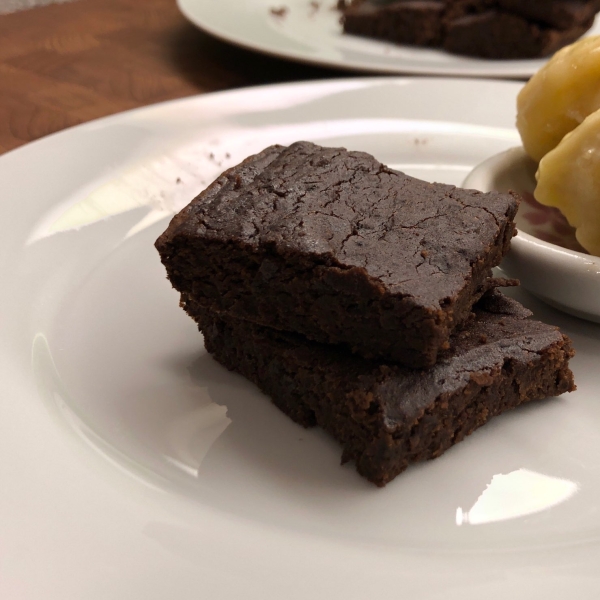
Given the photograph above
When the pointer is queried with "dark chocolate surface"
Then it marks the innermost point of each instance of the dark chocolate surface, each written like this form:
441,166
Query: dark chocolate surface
498,34
501,29
336,246
387,416
560,14
345,209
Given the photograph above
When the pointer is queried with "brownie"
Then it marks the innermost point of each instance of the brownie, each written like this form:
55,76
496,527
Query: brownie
560,14
456,9
499,29
386,416
334,245
496,34
417,23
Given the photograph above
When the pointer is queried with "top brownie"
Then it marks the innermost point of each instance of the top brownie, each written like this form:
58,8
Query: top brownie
340,248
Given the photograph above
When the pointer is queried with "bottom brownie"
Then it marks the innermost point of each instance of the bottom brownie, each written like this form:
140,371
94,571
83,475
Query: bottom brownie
387,416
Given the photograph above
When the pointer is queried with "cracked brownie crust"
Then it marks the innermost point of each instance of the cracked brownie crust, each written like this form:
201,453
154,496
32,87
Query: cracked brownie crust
386,416
340,248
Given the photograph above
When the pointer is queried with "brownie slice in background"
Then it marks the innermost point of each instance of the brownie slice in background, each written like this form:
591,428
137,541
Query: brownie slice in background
415,23
501,35
495,29
559,14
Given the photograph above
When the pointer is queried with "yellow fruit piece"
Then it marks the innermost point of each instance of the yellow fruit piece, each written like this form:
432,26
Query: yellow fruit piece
569,179
559,96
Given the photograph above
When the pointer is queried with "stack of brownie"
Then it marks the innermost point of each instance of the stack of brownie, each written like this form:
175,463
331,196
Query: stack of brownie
362,300
502,29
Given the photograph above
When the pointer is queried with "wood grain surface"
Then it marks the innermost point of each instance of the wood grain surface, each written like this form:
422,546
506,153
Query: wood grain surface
65,64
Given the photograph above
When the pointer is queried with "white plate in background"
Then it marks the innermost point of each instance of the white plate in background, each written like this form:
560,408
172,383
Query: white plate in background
314,35
134,467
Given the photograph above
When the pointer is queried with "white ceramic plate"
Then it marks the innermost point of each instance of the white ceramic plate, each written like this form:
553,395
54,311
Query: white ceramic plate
545,249
314,35
132,466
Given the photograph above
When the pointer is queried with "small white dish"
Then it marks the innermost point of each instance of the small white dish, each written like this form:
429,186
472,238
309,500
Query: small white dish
544,255
310,31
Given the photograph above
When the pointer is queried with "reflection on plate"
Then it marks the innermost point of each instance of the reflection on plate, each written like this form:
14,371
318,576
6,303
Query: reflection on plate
310,31
517,494
135,466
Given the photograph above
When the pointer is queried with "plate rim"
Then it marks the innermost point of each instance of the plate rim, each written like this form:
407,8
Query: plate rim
198,97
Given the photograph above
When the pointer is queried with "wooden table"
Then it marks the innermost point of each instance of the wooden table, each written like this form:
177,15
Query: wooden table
65,64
